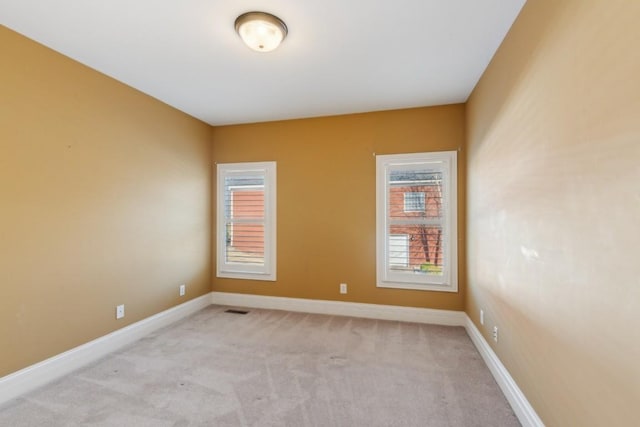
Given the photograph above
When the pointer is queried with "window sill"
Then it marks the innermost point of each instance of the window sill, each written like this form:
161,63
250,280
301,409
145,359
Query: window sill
246,276
418,286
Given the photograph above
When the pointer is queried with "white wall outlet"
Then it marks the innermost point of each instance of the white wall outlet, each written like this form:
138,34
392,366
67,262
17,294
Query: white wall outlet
182,290
482,317
495,333
343,288
120,311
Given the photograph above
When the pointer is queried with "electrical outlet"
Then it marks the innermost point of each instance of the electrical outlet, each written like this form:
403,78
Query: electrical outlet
182,290
482,317
495,333
343,288
120,311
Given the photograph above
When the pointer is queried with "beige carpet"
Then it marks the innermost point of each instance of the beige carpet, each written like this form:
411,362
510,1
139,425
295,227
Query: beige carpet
276,368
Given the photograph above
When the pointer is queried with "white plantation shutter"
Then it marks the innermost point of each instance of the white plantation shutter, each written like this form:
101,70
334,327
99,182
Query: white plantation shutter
416,221
246,220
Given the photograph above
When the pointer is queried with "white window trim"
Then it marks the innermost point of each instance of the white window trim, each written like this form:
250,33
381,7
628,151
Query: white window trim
448,282
250,272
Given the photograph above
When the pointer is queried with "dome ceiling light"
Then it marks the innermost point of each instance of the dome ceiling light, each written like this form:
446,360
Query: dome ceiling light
261,31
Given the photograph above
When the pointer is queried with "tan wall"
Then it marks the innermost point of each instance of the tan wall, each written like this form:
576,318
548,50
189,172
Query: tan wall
104,199
326,198
554,208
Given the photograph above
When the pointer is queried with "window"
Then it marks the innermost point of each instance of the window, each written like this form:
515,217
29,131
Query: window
414,202
246,221
416,221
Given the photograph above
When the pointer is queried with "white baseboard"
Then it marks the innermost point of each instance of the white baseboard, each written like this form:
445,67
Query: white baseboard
342,308
34,376
519,403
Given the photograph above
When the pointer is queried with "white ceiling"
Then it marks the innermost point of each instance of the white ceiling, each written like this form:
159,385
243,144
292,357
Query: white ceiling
341,56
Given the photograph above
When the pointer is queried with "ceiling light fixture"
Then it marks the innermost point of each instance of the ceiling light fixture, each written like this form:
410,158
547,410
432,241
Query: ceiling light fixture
261,31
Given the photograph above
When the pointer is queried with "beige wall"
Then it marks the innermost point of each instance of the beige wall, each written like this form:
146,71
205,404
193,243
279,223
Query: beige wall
554,208
326,198
104,199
